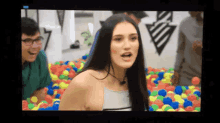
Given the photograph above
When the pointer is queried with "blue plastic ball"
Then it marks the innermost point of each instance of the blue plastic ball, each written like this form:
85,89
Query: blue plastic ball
162,92
185,99
174,105
159,78
55,87
151,109
51,83
66,62
49,87
69,79
187,103
160,75
156,81
146,69
167,100
40,109
178,90
75,69
197,93
84,57
56,102
68,69
186,87
149,93
49,108
57,96
50,92
56,107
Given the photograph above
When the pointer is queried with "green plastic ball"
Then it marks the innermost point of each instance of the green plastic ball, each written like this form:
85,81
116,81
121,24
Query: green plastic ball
160,98
167,108
73,66
28,100
44,101
83,62
197,109
57,63
156,85
61,76
31,106
184,89
157,73
151,73
154,93
171,69
66,77
154,106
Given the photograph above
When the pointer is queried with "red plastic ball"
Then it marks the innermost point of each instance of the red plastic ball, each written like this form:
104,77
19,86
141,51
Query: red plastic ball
48,98
170,88
149,87
60,91
181,106
151,102
188,92
61,62
189,108
195,80
25,109
196,103
192,97
159,103
44,105
161,85
71,75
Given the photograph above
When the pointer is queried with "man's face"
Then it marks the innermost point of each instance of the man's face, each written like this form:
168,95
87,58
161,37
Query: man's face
30,52
137,20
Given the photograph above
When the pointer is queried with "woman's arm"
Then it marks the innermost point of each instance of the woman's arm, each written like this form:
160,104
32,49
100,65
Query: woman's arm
76,95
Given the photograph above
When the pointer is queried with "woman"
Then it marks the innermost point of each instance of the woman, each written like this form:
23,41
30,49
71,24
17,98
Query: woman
189,53
100,86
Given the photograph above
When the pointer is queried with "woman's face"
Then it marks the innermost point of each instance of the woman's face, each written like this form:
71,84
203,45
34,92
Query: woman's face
124,40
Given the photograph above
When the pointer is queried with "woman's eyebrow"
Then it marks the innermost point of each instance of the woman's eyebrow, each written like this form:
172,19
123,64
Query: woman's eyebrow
130,34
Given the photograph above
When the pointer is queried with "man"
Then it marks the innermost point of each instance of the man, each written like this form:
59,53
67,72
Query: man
135,15
35,73
189,52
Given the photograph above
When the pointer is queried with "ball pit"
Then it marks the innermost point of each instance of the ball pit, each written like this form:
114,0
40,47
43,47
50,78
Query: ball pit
163,96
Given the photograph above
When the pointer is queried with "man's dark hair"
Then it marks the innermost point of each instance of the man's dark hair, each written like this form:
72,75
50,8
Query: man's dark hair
29,26
120,12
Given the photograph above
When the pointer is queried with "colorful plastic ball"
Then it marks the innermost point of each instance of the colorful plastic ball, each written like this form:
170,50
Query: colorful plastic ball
152,98
170,88
151,109
49,108
65,73
191,97
31,106
43,105
197,93
154,106
167,108
188,92
34,99
68,69
50,92
159,110
196,103
167,100
154,93
162,92
184,89
198,109
171,110
174,105
187,103
84,57
160,98
189,108
55,87
149,93
178,90
159,103
156,81
195,81
164,106
57,96
75,69
48,98
161,74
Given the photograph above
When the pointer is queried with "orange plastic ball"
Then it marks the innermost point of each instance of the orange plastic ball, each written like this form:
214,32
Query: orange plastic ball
196,103
159,103
188,92
195,80
189,108
48,98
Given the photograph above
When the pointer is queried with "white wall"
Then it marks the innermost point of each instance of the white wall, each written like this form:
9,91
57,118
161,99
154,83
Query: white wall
168,55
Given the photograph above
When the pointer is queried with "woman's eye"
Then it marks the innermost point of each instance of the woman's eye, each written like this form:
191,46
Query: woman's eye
117,39
134,38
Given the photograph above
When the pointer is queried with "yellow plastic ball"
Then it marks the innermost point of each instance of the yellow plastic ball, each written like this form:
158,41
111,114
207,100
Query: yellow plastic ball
182,110
54,77
34,99
171,110
164,106
193,91
49,65
183,95
55,93
148,76
153,79
191,87
62,85
166,75
65,86
162,70
159,110
170,92
55,100
55,85
152,98
35,108
65,73
181,101
71,63
176,96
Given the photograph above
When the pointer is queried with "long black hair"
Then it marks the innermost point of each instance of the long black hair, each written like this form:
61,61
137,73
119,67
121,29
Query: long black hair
135,75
